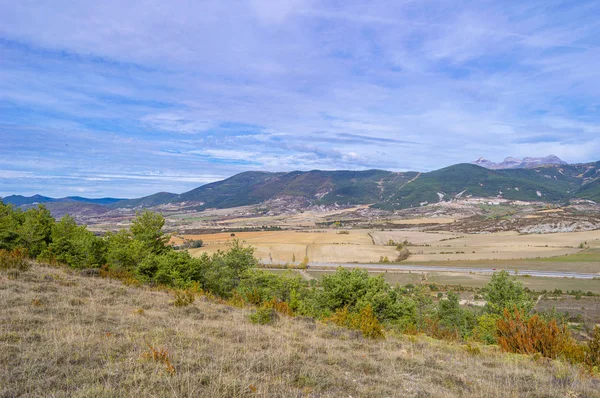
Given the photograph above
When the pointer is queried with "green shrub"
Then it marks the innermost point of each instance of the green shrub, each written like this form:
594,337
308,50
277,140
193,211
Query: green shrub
264,316
504,291
452,317
485,329
257,286
592,351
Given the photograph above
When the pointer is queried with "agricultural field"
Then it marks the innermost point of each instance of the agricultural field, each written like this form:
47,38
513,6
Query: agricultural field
367,246
285,246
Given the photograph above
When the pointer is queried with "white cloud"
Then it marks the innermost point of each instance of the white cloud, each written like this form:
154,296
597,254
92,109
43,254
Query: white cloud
90,89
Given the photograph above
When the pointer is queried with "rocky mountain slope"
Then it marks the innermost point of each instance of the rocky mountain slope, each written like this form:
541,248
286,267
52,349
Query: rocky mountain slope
516,163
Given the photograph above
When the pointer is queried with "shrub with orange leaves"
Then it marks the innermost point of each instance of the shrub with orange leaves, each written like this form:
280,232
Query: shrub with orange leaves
280,307
14,259
160,355
522,335
236,300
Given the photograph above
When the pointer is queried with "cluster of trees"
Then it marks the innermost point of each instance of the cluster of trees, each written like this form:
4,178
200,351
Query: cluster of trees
143,252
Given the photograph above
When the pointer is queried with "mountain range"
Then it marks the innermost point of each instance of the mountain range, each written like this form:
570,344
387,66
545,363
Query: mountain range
516,163
532,179
19,200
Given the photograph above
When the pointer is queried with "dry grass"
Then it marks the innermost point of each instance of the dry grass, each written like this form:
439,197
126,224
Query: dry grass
62,335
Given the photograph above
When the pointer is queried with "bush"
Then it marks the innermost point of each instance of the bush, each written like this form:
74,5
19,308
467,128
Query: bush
264,316
403,254
258,286
504,291
592,352
452,317
520,335
485,330
14,259
183,298
365,321
192,244
74,245
281,307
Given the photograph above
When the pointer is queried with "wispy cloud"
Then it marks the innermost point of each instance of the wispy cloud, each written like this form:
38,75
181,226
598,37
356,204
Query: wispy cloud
127,99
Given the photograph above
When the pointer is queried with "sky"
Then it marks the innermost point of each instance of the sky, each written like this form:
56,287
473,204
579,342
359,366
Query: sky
128,98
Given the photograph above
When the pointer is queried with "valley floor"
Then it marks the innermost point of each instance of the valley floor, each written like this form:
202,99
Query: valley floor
62,334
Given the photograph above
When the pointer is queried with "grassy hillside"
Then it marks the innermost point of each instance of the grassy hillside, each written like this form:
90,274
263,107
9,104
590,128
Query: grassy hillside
62,334
590,191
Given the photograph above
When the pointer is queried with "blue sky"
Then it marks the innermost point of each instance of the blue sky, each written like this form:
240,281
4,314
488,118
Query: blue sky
126,99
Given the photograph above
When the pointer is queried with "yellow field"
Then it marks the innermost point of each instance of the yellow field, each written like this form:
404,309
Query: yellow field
318,245
417,221
369,245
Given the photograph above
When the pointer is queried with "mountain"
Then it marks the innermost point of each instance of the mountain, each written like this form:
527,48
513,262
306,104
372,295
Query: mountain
554,183
311,187
75,209
551,182
19,200
516,163
466,180
156,199
99,201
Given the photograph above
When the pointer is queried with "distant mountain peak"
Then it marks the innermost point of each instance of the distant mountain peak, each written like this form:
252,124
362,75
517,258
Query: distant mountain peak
516,163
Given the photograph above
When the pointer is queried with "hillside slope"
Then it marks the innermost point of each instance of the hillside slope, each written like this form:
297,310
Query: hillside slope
62,334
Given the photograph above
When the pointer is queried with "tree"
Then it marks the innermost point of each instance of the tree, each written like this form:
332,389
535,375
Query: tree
35,230
9,224
146,229
423,304
504,291
356,290
452,316
75,245
121,253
